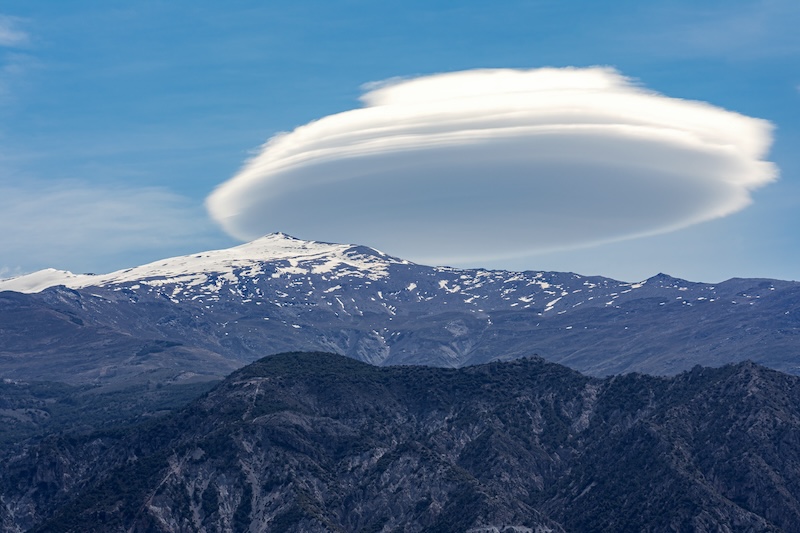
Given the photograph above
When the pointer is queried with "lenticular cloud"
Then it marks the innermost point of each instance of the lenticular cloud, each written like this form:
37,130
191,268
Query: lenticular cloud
492,164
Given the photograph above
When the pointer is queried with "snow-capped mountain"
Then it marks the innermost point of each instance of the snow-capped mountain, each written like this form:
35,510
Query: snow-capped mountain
195,270
210,312
278,259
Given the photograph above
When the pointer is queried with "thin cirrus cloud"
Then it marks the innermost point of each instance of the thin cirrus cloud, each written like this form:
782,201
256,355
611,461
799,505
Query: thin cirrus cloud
10,34
80,227
12,63
742,29
499,164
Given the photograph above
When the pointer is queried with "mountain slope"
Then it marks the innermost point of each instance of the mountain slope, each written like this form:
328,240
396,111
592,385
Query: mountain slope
211,312
317,442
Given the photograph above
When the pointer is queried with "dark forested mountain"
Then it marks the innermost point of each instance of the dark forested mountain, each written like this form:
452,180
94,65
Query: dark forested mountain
319,442
212,312
31,410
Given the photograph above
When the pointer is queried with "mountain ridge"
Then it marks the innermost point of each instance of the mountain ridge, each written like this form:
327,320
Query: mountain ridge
319,442
212,312
269,248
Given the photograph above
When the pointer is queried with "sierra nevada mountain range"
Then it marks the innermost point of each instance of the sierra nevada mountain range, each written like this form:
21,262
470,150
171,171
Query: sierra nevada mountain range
203,315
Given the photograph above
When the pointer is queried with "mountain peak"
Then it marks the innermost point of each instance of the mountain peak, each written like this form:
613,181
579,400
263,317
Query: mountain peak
195,268
42,279
662,278
278,236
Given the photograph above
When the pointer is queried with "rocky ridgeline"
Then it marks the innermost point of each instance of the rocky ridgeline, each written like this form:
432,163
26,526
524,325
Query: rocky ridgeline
319,442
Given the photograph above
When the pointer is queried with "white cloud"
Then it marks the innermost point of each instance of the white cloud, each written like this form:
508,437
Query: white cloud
490,164
80,227
10,34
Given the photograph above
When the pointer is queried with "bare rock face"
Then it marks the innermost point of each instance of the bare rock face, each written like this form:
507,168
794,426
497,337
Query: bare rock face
213,312
319,442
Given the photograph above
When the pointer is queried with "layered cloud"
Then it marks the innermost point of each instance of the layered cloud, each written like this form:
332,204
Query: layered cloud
491,164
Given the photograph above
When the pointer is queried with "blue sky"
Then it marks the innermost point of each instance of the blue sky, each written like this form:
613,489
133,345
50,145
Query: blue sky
118,119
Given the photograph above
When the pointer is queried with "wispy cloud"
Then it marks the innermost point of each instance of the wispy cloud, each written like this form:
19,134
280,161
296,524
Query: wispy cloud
491,164
10,33
73,225
744,29
13,63
13,68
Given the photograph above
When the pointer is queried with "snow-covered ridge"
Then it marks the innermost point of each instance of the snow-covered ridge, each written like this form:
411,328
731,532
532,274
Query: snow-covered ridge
285,272
295,256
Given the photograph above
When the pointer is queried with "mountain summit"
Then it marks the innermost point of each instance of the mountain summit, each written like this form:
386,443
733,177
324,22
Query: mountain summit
300,254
